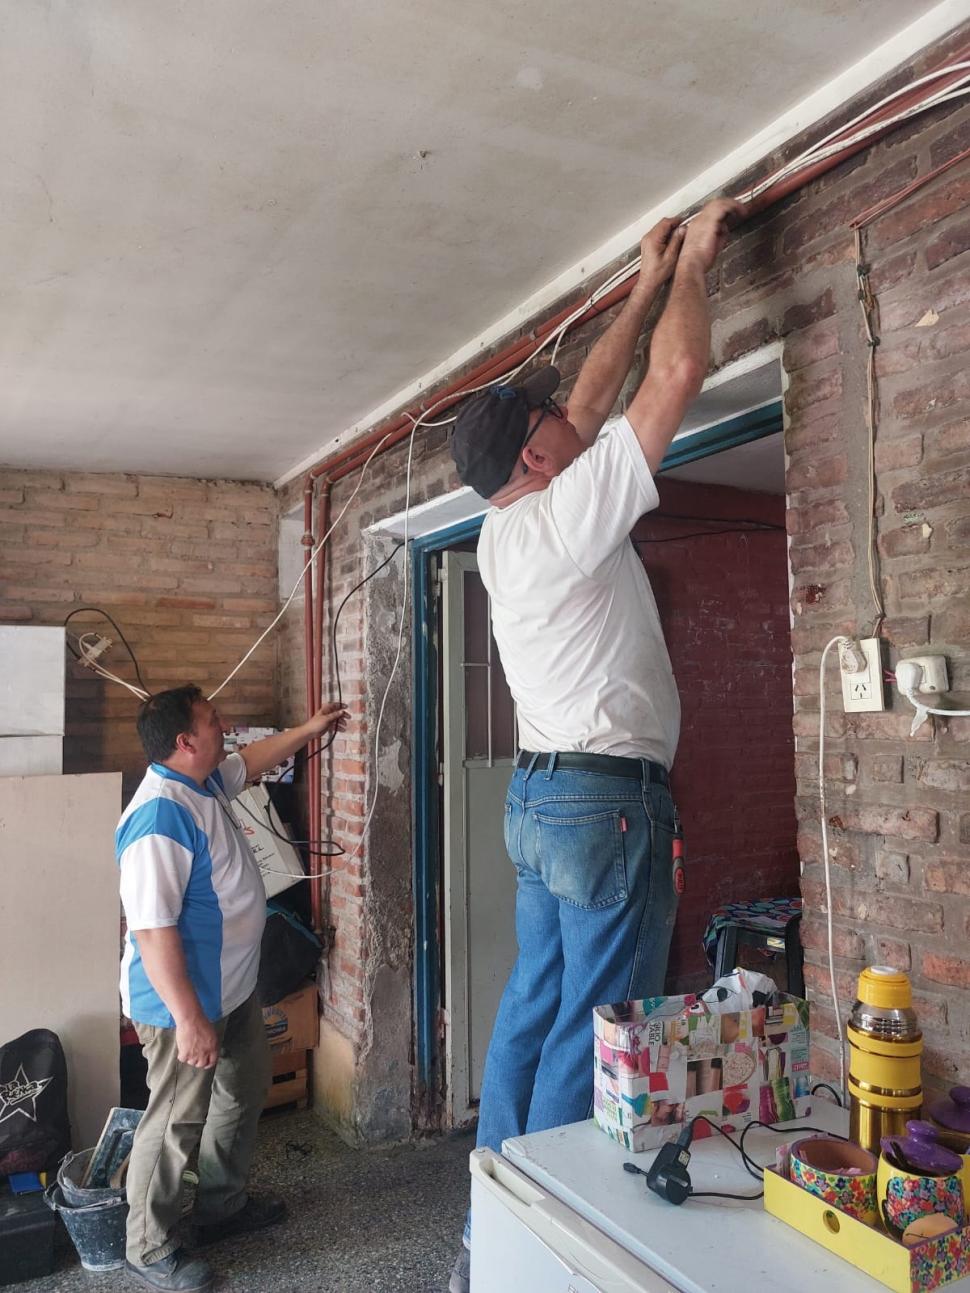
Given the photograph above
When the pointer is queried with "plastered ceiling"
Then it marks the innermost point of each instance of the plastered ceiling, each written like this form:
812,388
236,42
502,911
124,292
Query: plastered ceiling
230,229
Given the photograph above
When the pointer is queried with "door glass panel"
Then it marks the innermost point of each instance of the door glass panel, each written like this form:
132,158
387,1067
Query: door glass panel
489,709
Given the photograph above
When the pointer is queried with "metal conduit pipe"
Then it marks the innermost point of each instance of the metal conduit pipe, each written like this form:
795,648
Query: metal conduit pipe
340,464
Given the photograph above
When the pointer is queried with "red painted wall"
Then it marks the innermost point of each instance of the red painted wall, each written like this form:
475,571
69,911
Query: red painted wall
723,602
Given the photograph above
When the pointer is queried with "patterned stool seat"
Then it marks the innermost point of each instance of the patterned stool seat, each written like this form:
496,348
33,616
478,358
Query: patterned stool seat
768,924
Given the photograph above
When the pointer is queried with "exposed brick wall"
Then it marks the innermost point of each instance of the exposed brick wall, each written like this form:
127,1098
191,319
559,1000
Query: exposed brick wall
186,567
723,603
899,823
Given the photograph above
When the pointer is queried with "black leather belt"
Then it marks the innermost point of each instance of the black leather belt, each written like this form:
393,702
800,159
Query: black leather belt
609,764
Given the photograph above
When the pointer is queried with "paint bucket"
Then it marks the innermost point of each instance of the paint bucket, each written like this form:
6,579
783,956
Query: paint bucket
97,1230
70,1174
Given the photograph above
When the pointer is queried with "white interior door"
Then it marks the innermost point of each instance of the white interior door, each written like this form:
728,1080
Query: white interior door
479,879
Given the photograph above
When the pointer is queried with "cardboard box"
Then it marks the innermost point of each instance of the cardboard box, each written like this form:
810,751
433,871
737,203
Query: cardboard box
293,1024
662,1061
929,1265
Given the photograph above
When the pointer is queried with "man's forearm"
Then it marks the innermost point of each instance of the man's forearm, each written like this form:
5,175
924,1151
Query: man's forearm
273,750
682,338
602,376
163,957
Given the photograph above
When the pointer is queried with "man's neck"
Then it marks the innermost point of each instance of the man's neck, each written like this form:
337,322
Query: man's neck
520,485
188,768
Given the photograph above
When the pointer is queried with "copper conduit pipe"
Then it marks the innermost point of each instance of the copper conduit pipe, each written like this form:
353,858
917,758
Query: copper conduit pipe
315,789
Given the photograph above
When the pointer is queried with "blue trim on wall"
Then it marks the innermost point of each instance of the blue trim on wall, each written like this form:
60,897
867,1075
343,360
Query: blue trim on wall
725,435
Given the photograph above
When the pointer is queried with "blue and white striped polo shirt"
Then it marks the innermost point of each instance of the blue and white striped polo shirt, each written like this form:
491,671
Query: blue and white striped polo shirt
184,861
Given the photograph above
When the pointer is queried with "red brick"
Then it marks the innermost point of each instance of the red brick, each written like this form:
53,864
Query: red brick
891,455
48,500
891,951
897,913
906,631
944,774
954,438
809,387
953,970
934,203
807,516
951,242
811,345
886,768
809,472
947,875
886,819
805,313
821,556
935,490
187,603
904,542
8,496
104,485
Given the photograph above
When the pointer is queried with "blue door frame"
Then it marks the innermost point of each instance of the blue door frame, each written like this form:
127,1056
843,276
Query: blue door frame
425,780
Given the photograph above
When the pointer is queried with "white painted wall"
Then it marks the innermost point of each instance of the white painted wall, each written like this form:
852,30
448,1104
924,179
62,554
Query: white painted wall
59,929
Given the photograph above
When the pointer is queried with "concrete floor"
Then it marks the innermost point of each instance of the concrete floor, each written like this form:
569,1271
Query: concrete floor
373,1221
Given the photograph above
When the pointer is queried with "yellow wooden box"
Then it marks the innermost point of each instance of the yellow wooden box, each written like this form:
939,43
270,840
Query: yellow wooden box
906,1270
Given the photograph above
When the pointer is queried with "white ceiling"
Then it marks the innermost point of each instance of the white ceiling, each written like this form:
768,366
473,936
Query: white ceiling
229,229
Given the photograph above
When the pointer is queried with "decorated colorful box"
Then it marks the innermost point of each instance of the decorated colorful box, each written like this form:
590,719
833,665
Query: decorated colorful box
929,1265
664,1060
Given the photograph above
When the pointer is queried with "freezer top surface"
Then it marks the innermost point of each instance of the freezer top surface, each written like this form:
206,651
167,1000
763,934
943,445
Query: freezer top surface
704,1245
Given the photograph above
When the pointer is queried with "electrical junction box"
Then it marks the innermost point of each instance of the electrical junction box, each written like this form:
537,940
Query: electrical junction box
934,678
860,666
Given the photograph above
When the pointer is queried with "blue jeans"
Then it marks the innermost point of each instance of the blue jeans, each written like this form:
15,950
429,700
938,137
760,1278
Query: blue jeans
594,915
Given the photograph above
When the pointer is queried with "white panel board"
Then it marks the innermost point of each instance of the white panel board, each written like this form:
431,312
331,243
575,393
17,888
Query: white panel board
31,680
31,756
59,929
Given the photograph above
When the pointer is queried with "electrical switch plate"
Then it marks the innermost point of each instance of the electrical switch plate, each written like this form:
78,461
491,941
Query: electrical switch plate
862,688
934,679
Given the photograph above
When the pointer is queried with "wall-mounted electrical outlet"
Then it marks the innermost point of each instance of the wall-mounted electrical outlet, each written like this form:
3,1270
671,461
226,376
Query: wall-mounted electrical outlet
860,665
934,677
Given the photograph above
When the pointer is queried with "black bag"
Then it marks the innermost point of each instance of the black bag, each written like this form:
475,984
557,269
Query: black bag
288,955
35,1133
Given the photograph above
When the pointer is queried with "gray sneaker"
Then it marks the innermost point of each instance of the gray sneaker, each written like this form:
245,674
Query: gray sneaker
178,1272
461,1274
258,1212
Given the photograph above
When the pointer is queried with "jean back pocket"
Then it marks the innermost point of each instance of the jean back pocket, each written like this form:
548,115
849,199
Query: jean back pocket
580,855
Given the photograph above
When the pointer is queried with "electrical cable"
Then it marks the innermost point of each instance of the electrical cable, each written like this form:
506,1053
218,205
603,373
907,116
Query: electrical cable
114,624
333,647
268,826
824,1086
839,640
699,534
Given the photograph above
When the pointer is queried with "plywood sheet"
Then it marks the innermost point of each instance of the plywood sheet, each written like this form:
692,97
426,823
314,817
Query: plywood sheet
59,929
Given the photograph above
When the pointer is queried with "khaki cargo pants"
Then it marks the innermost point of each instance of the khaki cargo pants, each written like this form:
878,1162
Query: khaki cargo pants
214,1111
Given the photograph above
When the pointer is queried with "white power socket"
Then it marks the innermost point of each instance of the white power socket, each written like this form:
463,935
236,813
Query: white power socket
934,678
860,666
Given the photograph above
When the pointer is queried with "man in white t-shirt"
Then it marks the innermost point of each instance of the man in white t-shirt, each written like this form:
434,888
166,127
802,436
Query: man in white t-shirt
589,821
195,908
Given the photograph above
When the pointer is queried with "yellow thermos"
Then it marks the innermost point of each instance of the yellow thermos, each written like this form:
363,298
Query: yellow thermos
885,1046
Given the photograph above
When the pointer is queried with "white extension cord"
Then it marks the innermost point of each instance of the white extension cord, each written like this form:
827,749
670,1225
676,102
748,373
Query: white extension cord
843,642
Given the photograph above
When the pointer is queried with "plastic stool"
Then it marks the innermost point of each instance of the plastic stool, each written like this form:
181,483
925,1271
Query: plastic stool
771,925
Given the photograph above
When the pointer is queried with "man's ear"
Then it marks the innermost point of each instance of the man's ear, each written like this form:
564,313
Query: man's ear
537,461
185,743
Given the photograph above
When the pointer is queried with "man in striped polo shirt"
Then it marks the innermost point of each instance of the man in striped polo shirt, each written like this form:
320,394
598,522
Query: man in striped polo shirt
195,907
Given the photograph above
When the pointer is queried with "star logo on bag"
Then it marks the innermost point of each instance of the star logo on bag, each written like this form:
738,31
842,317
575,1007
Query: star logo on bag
16,1095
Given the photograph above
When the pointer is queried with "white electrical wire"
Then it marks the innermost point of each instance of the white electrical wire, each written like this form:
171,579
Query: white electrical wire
299,579
400,641
836,641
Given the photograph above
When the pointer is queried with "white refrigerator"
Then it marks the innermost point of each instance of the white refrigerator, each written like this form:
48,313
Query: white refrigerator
556,1213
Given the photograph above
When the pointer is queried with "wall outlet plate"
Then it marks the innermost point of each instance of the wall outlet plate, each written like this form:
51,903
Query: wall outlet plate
862,689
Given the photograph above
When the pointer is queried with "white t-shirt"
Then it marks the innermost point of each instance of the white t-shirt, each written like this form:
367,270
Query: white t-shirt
573,612
185,862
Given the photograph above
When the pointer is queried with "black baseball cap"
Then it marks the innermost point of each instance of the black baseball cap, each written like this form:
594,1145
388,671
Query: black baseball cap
492,428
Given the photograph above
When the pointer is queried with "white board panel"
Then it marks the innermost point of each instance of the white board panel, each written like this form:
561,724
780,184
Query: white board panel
31,756
59,929
31,680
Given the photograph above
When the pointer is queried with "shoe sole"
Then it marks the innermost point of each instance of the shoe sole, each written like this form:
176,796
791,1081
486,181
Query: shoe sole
134,1273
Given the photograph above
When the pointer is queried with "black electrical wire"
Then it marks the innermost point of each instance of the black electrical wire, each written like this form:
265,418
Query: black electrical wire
267,825
333,642
705,534
718,520
114,624
824,1086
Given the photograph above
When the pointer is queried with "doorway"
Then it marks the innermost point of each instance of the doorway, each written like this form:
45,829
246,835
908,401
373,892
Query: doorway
465,744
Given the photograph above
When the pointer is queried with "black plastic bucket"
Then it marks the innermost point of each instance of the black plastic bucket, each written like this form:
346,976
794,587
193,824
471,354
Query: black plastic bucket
97,1229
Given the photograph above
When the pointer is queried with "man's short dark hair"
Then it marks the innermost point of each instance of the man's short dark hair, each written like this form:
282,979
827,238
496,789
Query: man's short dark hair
163,718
